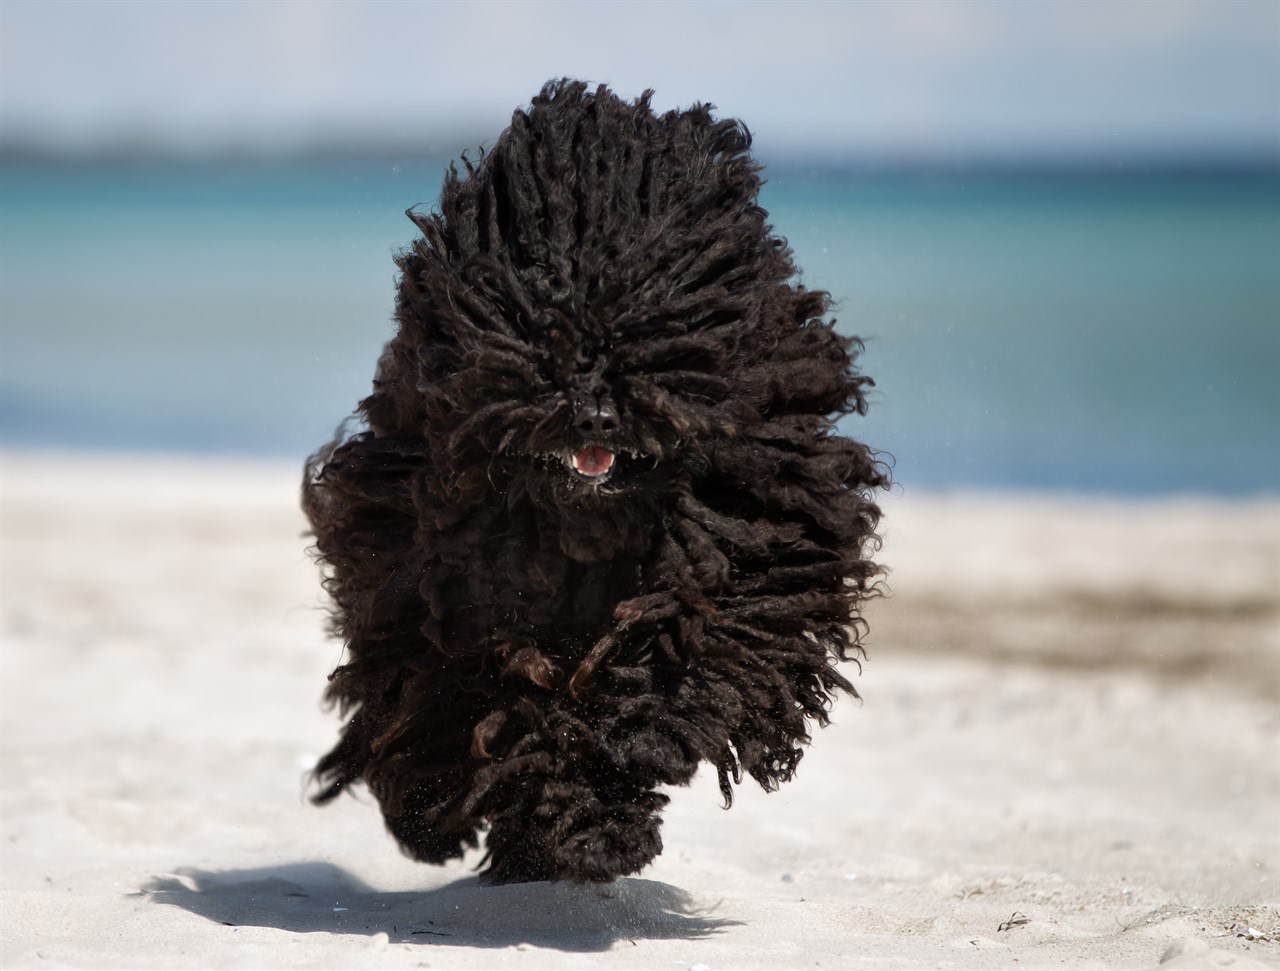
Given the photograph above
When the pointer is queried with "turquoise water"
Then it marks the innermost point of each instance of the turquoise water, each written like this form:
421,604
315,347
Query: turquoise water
1107,334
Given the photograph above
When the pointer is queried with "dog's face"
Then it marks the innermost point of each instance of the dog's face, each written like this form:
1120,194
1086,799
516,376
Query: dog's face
595,435
579,420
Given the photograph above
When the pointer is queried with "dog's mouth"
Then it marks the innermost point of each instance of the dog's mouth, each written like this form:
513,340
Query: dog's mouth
593,465
593,462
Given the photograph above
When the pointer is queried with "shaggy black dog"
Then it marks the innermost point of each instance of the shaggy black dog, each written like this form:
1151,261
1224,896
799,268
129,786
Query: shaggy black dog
601,527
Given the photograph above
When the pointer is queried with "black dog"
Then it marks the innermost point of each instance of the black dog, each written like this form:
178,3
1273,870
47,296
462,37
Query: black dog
601,527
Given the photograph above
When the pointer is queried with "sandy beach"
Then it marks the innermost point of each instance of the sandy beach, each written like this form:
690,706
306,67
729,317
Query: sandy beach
1066,757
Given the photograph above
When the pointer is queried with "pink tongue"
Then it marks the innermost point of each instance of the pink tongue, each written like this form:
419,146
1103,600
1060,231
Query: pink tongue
593,461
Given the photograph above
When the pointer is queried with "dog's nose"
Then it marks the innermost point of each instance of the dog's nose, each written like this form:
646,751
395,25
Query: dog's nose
597,418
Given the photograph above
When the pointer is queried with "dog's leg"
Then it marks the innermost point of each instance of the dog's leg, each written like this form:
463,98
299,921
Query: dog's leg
566,831
578,802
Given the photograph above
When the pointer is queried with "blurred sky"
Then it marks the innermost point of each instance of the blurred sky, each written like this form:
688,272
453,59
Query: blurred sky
930,79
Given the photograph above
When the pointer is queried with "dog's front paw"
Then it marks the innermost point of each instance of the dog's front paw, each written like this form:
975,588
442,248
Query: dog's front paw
621,842
571,835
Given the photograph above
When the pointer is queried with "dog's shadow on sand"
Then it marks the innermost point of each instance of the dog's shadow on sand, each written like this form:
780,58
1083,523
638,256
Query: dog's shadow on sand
310,897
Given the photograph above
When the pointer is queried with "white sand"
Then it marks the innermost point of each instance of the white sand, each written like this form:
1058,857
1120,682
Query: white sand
1071,715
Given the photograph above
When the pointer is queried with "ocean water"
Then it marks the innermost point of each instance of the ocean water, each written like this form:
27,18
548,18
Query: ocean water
1080,332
